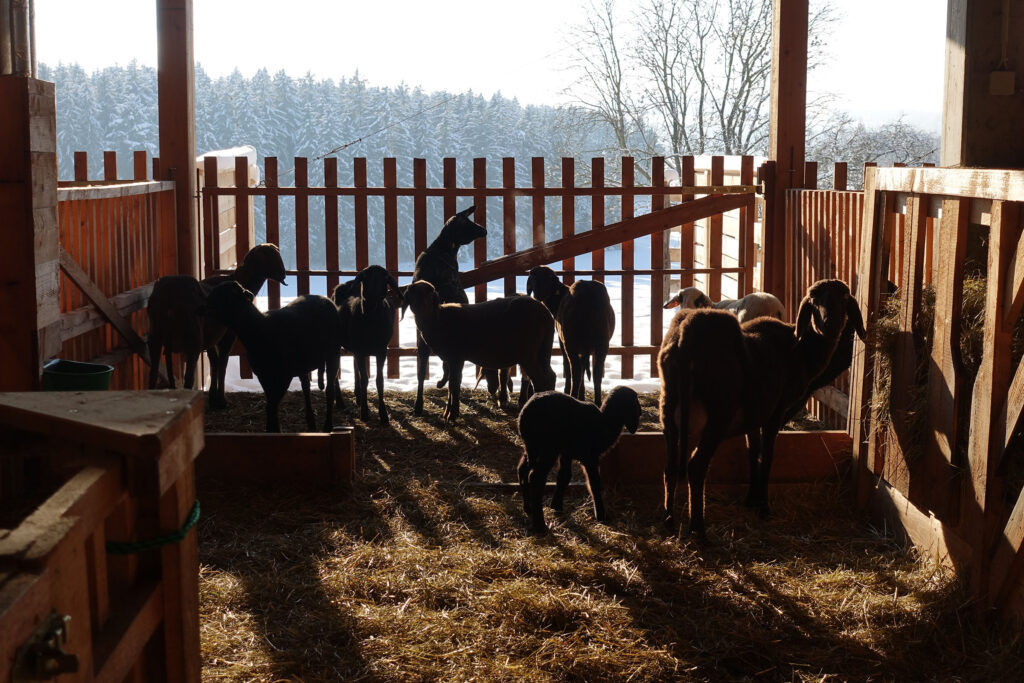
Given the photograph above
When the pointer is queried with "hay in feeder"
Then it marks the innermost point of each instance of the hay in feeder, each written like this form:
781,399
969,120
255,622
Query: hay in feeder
416,573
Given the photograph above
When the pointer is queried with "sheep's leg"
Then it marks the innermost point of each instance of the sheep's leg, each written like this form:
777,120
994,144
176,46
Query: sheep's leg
191,361
561,482
219,369
696,472
538,477
274,394
598,373
331,370
768,436
674,445
577,365
451,411
154,361
593,472
422,359
310,415
567,371
362,385
754,455
382,410
169,362
504,383
524,479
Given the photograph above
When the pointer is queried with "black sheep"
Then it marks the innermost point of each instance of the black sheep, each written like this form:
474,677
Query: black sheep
555,426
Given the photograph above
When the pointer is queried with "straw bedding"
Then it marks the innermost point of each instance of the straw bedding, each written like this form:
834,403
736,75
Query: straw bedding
418,572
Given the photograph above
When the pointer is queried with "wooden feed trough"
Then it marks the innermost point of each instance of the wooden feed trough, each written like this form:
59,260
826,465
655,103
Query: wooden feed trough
96,555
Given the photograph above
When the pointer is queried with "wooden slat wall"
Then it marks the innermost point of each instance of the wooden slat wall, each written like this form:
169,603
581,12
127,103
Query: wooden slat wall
121,232
960,476
353,228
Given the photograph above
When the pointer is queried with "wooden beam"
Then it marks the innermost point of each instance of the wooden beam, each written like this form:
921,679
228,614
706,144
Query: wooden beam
108,309
177,106
607,236
787,128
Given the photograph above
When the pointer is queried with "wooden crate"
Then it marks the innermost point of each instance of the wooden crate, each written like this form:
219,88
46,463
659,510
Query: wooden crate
82,470
305,459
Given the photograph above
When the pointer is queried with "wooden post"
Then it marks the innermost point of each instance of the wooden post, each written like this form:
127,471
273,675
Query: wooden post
30,325
787,130
177,106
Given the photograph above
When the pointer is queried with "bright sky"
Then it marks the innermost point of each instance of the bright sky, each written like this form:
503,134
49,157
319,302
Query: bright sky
887,55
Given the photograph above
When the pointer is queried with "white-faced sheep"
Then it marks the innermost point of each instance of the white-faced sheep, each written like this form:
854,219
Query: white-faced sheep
555,426
585,321
367,322
175,326
753,305
439,265
720,379
289,342
495,334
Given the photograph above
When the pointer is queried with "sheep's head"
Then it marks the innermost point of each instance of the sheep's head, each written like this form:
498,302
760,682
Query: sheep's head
689,297
541,282
373,283
624,404
342,292
420,296
827,307
226,299
265,259
460,229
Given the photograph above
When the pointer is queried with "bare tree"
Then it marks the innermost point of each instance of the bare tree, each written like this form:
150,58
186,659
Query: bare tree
694,73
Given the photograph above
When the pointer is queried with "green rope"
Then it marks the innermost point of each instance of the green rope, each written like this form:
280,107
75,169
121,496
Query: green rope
115,548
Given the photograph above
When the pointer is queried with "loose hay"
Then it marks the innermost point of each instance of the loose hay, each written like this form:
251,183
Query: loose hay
414,575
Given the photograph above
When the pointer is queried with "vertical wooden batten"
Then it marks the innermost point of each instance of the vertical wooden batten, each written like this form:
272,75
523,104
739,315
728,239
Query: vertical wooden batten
176,87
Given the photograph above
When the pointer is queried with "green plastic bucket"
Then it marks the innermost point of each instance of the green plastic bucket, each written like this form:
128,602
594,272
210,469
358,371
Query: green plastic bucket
71,375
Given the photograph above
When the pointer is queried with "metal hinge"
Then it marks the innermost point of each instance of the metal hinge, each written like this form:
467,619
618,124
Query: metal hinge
42,656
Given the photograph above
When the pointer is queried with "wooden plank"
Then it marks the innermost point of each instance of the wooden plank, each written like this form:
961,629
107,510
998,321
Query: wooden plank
480,217
273,228
180,583
839,175
686,256
537,201
88,317
81,166
713,236
747,248
945,389
508,212
211,218
331,224
242,217
659,256
419,205
120,643
450,180
309,459
597,216
835,399
67,192
627,252
1014,301
569,210
302,225
110,166
109,310
391,251
980,512
604,237
800,457
978,183
360,216
933,538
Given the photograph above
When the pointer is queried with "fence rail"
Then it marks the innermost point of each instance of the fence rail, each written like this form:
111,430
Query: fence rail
550,206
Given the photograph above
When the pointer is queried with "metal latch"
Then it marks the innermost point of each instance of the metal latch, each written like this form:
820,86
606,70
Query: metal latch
42,657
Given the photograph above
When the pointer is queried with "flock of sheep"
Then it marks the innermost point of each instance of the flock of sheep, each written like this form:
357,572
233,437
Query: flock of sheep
728,368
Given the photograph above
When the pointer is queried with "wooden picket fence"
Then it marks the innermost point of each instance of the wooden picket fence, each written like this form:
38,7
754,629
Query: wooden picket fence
117,237
701,252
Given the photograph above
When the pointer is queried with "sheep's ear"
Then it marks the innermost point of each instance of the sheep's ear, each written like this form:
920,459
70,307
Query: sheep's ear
249,295
853,313
803,317
529,286
392,282
672,303
465,212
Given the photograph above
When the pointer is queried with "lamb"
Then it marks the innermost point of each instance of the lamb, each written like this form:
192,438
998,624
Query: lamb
175,325
439,265
585,321
495,334
368,322
282,344
555,426
753,305
720,379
